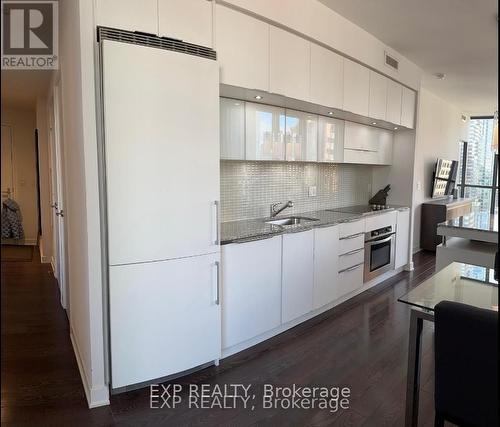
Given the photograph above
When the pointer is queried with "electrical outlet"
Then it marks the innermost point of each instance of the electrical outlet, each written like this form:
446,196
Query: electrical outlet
419,185
312,191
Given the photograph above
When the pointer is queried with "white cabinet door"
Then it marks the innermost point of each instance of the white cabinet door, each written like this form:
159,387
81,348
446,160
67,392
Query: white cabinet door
251,289
394,98
385,146
298,275
232,129
289,71
330,140
360,137
327,77
162,156
242,45
164,318
402,238
326,254
349,280
408,108
264,132
129,15
301,136
187,20
378,96
356,87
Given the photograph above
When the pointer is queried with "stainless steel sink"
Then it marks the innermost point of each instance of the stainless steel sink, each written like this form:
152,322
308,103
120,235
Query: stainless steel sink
291,220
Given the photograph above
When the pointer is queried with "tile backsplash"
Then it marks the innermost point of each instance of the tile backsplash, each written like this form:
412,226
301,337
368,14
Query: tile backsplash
249,187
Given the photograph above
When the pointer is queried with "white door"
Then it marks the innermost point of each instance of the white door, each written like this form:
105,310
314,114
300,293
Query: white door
57,194
161,114
326,257
164,318
7,163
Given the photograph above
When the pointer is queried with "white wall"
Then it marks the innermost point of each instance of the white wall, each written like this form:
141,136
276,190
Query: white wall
46,237
23,125
439,131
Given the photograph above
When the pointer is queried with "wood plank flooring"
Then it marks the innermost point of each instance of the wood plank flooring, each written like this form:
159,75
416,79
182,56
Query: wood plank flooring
361,344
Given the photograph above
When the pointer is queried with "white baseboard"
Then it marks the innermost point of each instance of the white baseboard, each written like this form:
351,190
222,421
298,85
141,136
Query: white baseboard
96,396
45,259
416,250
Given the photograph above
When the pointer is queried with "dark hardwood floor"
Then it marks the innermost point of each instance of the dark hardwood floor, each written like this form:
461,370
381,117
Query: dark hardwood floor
361,344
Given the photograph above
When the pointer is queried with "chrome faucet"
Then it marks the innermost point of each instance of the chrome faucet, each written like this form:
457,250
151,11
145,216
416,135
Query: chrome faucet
274,211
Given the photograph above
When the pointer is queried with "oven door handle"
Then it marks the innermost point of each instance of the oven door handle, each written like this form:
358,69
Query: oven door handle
376,242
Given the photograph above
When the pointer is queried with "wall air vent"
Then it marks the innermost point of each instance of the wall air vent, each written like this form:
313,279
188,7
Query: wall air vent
143,39
391,62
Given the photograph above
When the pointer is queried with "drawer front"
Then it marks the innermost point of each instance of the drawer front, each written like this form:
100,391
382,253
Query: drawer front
351,259
348,229
349,245
381,220
349,281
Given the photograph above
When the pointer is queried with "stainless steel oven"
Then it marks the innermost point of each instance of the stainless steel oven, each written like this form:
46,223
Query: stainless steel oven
379,252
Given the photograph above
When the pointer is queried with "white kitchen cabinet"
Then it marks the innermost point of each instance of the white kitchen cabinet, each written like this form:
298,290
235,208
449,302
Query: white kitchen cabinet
356,88
131,15
349,280
326,248
408,108
330,140
367,144
301,136
378,96
232,129
385,147
402,238
242,45
327,77
164,318
264,132
360,137
386,219
394,98
187,20
289,68
251,289
298,275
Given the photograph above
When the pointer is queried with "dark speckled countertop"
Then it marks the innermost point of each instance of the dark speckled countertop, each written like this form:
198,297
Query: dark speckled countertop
257,229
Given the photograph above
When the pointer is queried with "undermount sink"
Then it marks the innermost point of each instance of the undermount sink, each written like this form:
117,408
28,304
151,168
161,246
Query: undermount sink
291,220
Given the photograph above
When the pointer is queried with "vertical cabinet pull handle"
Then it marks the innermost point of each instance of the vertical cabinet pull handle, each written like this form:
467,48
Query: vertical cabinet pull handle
217,283
216,225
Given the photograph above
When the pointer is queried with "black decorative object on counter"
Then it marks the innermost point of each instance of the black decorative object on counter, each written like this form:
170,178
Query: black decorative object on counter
381,197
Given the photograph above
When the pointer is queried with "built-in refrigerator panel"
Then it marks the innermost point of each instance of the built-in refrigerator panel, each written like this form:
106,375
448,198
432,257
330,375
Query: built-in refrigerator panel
161,130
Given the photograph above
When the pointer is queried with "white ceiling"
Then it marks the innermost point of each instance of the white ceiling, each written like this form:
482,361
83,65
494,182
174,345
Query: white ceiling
455,37
21,88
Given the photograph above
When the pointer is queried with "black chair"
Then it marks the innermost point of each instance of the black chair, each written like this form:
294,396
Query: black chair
466,356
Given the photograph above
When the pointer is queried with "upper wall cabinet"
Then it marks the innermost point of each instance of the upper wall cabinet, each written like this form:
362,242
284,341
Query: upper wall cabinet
356,88
242,45
408,108
394,97
129,15
330,140
378,96
187,20
367,144
301,136
327,77
289,57
232,129
264,132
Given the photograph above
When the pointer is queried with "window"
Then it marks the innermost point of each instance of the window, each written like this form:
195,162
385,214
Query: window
478,168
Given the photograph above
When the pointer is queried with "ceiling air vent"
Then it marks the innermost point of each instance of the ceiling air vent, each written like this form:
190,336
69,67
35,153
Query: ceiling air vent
391,62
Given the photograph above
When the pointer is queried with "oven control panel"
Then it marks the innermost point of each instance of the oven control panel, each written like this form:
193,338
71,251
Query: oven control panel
381,231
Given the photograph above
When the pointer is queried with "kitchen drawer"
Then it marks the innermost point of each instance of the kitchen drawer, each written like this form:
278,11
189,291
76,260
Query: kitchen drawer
361,156
351,244
376,221
350,259
348,229
349,280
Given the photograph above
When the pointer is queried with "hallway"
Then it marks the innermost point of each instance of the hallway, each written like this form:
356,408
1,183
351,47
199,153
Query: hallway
365,338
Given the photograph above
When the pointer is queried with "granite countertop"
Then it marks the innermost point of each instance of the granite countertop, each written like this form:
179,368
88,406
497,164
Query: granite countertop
257,229
476,220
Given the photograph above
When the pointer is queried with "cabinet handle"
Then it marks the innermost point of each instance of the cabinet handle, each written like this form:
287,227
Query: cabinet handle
345,270
352,236
353,252
216,219
217,283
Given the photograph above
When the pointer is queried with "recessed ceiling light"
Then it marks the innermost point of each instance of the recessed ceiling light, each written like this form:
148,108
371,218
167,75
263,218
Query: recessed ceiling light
258,97
236,103
374,123
330,113
396,128
440,76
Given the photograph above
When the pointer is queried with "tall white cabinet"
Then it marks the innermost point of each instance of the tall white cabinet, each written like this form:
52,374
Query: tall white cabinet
356,88
327,77
326,254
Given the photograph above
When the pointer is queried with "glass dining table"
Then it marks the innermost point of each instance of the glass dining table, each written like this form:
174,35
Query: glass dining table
457,283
